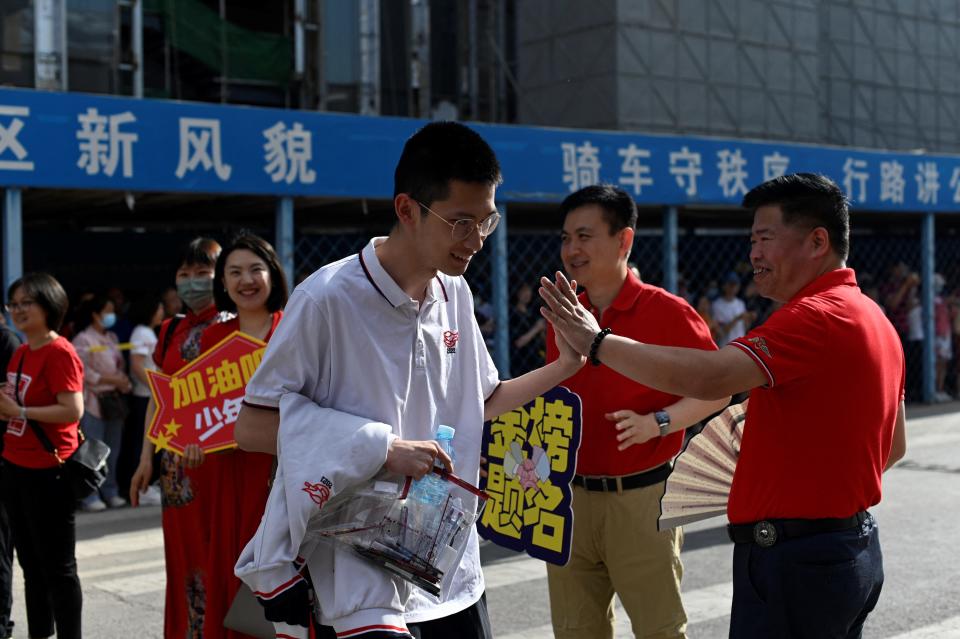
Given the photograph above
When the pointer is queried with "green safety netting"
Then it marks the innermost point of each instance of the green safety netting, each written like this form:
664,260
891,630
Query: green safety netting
251,55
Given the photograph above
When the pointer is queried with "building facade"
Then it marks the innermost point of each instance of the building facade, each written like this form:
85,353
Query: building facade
641,85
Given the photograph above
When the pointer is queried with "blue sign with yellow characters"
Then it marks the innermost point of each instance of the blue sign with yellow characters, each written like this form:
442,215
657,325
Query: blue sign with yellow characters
531,458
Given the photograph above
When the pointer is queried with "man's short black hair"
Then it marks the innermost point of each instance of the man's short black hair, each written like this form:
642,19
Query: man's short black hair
46,291
807,200
438,153
200,251
262,249
619,209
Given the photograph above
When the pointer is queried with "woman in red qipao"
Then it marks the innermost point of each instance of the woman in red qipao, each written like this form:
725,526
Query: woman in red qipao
250,282
186,492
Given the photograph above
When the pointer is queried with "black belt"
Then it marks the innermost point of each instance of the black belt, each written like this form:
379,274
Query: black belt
620,484
769,531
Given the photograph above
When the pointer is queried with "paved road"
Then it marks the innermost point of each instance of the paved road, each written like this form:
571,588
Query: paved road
121,560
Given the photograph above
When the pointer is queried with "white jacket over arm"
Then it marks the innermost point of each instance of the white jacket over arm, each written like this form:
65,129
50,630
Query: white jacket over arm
322,452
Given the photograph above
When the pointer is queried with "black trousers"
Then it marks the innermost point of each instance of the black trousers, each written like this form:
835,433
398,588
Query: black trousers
816,587
131,444
40,507
471,623
6,573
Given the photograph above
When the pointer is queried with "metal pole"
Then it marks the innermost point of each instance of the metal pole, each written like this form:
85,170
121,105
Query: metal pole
299,11
12,238
502,61
369,57
137,44
473,73
420,57
49,45
926,295
283,239
224,54
670,235
501,296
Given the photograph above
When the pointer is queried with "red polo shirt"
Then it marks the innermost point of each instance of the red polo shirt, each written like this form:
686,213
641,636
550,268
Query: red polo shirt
818,435
646,314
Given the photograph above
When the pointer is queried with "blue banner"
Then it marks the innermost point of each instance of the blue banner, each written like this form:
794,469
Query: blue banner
79,141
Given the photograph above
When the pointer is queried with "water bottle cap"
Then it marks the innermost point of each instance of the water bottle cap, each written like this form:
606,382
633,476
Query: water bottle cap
445,432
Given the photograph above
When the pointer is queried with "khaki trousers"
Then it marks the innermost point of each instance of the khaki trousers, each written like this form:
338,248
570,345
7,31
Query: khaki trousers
616,548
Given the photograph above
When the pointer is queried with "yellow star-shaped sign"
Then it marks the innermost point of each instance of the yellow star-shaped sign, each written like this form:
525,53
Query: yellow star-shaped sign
162,441
172,427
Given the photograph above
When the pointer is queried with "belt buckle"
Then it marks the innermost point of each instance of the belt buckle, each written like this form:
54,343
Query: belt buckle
764,534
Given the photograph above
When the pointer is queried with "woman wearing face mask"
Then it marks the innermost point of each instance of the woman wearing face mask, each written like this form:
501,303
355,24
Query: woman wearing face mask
105,387
250,282
186,497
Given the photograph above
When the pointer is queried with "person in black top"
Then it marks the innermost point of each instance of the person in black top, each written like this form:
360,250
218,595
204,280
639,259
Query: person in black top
527,331
8,344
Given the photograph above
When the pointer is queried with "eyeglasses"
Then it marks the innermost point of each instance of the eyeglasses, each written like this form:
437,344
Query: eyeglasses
462,229
14,307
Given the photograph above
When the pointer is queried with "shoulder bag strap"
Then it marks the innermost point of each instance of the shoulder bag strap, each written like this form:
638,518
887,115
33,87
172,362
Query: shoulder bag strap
34,426
171,327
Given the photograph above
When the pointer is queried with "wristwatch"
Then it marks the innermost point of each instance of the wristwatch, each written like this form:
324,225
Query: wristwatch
23,413
663,421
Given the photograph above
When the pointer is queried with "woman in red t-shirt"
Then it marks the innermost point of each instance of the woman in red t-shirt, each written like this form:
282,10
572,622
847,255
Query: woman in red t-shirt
44,385
249,281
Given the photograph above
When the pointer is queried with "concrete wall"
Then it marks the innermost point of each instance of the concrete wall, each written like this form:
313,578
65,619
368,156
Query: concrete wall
567,58
871,73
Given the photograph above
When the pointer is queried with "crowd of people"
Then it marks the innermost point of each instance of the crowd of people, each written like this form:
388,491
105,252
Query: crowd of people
379,348
95,385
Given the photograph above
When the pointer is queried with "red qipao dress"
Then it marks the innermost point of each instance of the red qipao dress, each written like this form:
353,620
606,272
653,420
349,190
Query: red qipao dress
239,484
186,496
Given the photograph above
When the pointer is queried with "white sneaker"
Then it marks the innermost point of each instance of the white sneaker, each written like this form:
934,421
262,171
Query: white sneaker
94,506
116,502
941,396
151,497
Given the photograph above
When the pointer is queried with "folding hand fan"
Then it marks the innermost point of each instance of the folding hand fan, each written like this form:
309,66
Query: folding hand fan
699,485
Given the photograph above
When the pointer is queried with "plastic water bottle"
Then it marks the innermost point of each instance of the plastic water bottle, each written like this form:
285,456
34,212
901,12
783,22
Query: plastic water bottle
429,494
432,489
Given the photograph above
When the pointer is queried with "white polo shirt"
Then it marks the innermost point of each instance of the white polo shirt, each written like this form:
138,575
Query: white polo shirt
352,340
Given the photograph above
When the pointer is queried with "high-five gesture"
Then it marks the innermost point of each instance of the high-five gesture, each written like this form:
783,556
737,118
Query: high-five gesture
571,320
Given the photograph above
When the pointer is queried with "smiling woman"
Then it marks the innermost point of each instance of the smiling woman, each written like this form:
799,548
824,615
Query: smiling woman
249,281
43,392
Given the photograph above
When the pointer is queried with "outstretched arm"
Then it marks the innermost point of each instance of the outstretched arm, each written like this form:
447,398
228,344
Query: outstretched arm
687,372
516,392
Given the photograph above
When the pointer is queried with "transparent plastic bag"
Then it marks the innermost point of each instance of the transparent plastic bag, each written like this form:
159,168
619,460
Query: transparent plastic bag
420,542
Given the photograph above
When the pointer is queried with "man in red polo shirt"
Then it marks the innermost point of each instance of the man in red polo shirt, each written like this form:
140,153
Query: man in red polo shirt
630,434
826,415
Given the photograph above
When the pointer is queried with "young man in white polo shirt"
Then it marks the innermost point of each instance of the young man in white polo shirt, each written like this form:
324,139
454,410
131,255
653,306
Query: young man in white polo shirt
389,336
